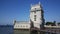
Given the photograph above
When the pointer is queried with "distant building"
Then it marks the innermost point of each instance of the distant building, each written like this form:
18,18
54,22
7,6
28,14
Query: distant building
36,17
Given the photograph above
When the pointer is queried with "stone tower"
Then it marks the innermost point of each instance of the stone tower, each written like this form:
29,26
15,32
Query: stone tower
36,15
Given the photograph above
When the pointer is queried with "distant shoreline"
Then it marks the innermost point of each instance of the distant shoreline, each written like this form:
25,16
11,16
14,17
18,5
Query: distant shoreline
6,25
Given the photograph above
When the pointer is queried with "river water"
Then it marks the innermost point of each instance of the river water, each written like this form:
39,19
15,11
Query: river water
4,29
10,30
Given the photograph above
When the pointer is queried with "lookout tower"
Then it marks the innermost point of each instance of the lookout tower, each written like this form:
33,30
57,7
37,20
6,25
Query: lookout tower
37,15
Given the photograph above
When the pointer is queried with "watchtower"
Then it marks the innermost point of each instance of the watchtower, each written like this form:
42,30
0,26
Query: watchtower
37,15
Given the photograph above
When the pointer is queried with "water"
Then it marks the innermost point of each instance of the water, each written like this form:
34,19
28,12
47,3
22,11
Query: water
21,31
6,29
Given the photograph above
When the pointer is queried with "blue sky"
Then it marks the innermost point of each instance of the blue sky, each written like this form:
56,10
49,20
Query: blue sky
19,10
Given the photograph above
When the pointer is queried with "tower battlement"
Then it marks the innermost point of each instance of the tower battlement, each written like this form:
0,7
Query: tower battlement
36,6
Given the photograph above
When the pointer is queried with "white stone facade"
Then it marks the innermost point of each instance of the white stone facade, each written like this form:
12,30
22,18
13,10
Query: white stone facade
22,25
35,15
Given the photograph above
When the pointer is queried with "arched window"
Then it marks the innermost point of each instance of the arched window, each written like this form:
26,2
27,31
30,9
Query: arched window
34,17
21,25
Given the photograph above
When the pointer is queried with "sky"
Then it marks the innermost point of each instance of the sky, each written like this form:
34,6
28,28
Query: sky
11,10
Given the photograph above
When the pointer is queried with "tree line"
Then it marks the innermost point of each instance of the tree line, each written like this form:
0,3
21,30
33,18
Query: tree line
52,23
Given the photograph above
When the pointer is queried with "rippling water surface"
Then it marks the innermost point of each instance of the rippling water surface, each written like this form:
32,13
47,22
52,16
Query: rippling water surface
6,29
